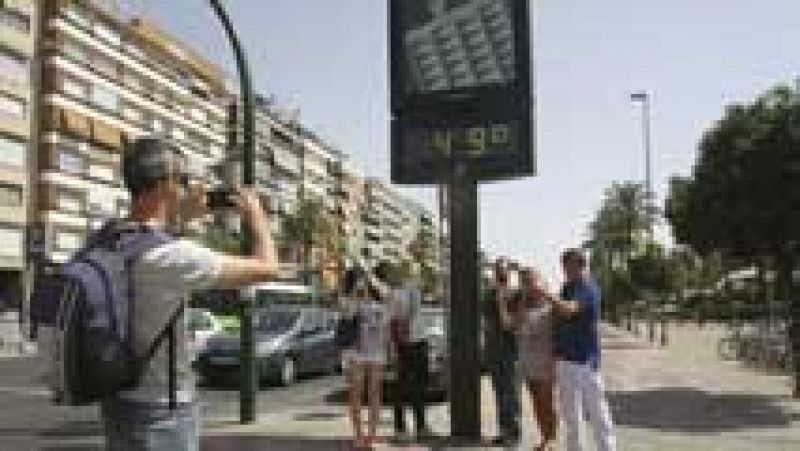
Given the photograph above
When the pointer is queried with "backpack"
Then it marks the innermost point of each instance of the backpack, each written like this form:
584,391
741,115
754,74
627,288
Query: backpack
93,355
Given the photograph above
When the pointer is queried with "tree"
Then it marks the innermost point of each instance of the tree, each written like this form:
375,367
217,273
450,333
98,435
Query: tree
423,251
309,227
743,199
615,233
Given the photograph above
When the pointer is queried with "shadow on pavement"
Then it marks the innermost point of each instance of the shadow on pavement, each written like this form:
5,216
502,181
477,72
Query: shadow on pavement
689,410
258,443
253,443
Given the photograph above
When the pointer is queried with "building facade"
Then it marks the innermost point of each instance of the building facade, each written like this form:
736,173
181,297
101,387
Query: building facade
105,81
17,31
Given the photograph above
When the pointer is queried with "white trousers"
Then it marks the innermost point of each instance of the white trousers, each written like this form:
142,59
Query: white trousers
580,391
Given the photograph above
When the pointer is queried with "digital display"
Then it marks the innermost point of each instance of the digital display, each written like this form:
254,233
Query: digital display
455,44
462,97
490,149
493,138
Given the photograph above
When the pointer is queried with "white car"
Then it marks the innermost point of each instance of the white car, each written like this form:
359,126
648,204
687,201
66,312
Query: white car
201,325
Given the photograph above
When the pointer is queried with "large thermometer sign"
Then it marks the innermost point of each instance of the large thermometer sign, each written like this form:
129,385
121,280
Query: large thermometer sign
461,89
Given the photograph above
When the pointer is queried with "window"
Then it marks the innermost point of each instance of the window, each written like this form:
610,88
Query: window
12,153
13,68
74,88
77,11
106,66
75,51
68,241
108,34
15,20
71,202
133,114
10,195
102,172
12,239
11,107
70,163
104,98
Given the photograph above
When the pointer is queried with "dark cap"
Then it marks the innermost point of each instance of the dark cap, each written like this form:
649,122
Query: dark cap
148,161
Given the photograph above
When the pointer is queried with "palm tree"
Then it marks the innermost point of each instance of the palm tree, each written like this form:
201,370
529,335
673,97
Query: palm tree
309,227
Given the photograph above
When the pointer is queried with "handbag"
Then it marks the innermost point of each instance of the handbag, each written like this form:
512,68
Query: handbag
347,331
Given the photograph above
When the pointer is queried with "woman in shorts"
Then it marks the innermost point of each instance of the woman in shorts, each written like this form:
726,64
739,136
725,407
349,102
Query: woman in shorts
366,358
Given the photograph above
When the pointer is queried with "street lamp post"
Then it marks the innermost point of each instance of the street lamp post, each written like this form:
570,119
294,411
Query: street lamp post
643,97
249,380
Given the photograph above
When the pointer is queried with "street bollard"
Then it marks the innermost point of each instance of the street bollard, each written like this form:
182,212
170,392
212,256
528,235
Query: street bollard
664,325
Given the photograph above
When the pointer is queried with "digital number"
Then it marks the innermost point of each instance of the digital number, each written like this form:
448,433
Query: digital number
473,141
476,141
500,135
442,142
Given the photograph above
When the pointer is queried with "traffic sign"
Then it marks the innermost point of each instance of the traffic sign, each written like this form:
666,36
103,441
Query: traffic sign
461,89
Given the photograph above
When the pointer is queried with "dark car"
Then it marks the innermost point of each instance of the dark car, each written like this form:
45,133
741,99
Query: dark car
290,341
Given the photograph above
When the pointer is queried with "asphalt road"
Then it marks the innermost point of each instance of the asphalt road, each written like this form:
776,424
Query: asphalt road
28,421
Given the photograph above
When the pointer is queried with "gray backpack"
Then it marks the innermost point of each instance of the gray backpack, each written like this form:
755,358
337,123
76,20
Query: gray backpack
94,331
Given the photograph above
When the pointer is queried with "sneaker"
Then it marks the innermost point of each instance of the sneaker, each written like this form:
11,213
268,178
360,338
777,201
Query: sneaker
505,440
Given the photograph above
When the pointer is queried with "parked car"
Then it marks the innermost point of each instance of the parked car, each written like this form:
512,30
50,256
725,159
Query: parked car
290,341
201,325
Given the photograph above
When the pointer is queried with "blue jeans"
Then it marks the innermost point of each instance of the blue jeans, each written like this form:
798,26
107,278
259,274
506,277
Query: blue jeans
502,368
131,426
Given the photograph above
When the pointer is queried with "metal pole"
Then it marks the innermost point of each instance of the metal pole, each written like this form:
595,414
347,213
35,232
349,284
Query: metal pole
249,381
465,407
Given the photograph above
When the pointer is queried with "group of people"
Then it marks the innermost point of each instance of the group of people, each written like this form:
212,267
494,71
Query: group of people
555,338
552,343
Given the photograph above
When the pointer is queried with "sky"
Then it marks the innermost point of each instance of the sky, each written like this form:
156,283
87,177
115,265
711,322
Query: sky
329,58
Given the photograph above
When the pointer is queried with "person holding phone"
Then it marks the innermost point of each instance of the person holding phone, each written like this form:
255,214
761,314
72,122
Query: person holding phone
366,357
501,351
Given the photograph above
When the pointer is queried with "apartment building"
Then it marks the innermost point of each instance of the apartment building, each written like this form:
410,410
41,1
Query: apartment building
17,23
391,223
105,80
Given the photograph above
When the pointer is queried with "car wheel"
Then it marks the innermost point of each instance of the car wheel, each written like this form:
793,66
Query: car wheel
288,372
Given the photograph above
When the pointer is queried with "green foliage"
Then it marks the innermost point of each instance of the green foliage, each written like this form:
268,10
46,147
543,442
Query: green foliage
744,197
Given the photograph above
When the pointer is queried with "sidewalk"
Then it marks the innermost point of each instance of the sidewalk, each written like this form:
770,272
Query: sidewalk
677,398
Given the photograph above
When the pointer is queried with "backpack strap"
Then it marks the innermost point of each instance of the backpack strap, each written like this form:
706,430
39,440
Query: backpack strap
167,332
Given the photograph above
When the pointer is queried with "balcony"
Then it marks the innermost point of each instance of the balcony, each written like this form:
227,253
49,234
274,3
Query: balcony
16,41
15,127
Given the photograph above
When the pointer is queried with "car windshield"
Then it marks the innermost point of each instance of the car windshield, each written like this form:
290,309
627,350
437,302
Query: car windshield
433,321
277,321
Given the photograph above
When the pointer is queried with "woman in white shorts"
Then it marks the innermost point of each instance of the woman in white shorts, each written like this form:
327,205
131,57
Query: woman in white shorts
366,358
537,363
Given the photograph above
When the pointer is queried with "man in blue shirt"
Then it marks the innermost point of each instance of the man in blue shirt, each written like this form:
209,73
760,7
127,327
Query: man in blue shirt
576,343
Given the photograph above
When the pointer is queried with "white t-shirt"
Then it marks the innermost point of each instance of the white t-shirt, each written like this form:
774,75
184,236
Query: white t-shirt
163,278
373,336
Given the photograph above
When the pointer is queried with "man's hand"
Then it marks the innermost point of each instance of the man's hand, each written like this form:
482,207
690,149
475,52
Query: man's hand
195,203
249,204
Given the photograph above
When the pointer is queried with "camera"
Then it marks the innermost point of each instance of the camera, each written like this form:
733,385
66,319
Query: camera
220,198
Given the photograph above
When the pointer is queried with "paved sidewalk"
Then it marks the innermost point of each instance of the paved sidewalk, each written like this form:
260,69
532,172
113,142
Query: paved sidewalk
681,397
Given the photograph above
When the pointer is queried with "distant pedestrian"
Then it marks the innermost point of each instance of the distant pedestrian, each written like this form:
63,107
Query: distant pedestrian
409,351
501,353
577,349
366,357
537,362
155,409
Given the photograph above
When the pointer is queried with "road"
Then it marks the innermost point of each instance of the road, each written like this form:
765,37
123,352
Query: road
28,421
